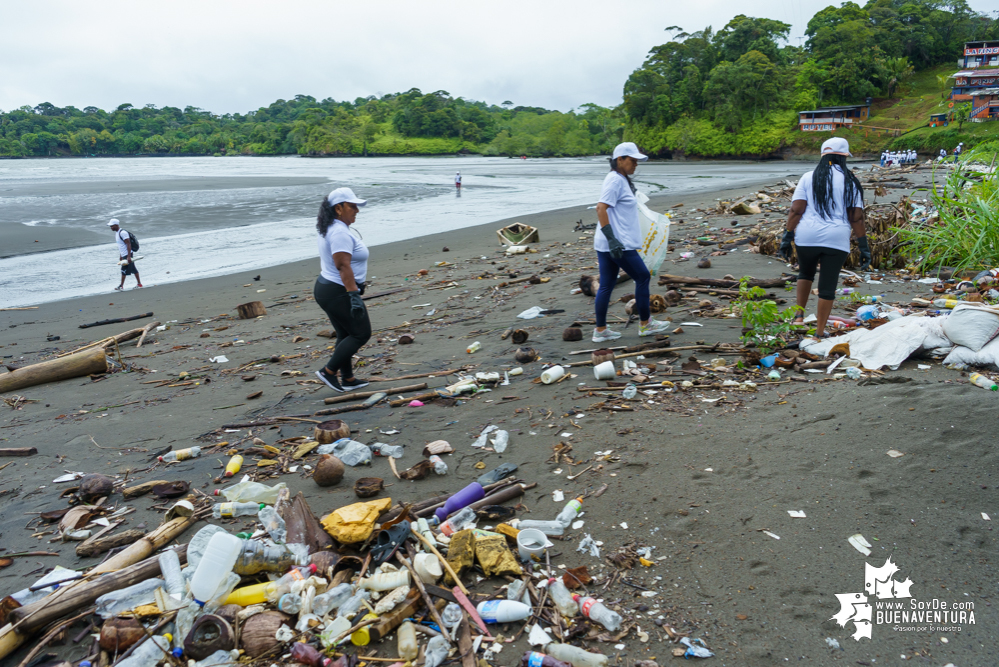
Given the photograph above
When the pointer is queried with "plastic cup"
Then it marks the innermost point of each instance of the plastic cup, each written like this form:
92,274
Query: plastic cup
553,374
605,371
531,541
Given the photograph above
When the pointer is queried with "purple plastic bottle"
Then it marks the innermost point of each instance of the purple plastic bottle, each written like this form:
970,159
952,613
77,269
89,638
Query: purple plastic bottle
470,494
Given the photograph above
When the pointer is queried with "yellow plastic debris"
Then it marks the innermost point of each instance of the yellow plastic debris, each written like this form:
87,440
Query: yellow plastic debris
645,562
355,523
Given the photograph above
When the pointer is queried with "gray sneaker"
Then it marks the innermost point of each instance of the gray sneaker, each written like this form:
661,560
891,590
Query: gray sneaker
605,335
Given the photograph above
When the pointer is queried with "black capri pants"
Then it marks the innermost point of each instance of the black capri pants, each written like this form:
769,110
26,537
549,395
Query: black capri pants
831,260
351,333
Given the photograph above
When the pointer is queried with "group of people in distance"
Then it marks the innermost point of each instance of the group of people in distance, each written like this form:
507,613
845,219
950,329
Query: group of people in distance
896,158
827,209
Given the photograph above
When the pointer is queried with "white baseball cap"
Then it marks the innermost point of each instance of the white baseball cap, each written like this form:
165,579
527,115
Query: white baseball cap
630,149
836,146
341,195
112,222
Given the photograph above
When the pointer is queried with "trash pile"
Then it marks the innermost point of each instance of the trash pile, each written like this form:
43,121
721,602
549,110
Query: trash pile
267,581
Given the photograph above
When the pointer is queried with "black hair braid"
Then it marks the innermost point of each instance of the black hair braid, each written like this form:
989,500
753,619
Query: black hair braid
613,166
326,217
822,184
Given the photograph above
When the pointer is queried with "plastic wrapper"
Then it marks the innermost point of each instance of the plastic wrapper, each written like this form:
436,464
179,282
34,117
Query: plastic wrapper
354,523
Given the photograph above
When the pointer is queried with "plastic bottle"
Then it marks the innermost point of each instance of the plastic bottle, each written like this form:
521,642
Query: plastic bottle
351,452
440,467
945,303
503,611
381,449
436,654
451,615
983,382
474,347
215,566
576,656
384,581
174,578
563,599
231,468
218,659
465,518
874,298
349,608
222,593
270,591
535,659
324,603
408,646
248,491
362,636
629,391
230,510
150,652
472,493
547,527
136,595
843,291
305,654
290,603
273,524
596,611
258,557
181,455
500,441
570,511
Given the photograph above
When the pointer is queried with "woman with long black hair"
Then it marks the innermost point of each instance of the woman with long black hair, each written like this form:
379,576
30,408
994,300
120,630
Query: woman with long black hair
617,243
827,205
343,258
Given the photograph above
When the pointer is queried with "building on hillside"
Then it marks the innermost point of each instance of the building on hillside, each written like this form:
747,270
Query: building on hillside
984,104
832,118
939,120
979,69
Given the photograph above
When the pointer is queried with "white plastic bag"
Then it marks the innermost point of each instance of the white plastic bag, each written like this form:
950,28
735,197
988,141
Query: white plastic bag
655,235
972,325
987,357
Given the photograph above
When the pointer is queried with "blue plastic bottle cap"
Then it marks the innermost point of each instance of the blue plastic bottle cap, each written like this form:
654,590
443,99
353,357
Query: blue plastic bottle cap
84,663
177,652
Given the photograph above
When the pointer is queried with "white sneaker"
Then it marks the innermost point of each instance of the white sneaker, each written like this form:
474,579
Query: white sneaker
653,327
605,335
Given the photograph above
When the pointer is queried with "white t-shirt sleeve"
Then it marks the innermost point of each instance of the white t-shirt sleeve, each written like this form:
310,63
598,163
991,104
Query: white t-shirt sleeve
611,192
803,187
341,241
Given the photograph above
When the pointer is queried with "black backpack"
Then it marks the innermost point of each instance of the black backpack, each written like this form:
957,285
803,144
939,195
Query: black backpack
134,242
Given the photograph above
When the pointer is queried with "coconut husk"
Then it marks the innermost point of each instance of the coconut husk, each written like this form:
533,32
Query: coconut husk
118,634
329,471
657,303
94,486
437,447
589,285
330,431
171,489
366,487
572,334
419,471
519,337
303,526
256,637
325,562
209,633
525,355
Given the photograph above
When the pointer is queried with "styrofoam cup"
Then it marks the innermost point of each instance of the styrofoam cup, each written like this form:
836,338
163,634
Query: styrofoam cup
605,371
552,374
531,541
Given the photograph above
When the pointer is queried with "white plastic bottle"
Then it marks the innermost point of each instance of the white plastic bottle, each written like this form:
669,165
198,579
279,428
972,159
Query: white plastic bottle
273,524
408,647
326,602
451,615
440,467
983,382
562,598
474,347
181,455
384,581
503,611
570,511
230,510
593,610
170,567
463,519
149,652
546,527
576,656
215,566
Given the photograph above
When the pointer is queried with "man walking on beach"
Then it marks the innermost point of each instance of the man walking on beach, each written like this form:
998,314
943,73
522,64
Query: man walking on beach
457,180
124,241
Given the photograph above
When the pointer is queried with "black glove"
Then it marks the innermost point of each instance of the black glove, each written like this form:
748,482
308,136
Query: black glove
356,305
785,245
865,253
615,246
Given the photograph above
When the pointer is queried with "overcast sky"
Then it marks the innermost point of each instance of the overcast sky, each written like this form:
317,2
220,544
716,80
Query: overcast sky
227,56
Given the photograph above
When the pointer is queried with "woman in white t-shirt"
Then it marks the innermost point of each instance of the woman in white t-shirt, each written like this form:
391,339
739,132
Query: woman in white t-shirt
827,205
343,259
617,243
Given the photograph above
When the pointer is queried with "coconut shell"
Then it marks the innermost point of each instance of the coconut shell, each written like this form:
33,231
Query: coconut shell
256,637
419,471
118,634
704,263
95,486
572,334
330,431
368,486
600,356
705,303
209,633
329,471
525,355
520,337
228,612
406,339
324,561
657,303
627,297
437,447
630,307
672,297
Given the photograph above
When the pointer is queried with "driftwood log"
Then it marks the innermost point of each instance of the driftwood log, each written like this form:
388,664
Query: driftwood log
367,394
141,489
18,451
145,330
147,545
667,279
89,549
248,311
116,320
80,364
110,340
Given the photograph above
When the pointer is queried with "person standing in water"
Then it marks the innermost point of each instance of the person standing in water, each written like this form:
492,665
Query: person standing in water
124,241
343,260
827,205
617,243
457,180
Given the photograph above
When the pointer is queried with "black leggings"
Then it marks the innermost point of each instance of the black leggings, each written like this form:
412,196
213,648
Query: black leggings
831,260
351,333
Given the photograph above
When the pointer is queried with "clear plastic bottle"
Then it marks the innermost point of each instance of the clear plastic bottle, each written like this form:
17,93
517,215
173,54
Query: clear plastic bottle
174,578
234,465
570,511
273,524
440,467
326,602
535,659
576,656
874,298
290,603
258,557
563,599
356,601
945,303
500,441
546,527
474,347
215,566
436,654
271,591
181,455
517,590
596,611
351,452
384,581
503,611
115,602
381,449
248,491
451,615
231,510
150,652
464,519
629,391
983,382
218,659
843,291
408,647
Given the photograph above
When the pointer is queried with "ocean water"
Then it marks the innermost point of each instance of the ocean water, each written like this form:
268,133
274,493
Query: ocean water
203,217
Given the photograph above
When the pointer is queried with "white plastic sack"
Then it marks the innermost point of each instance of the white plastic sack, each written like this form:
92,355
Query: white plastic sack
987,357
655,235
972,325
532,313
888,345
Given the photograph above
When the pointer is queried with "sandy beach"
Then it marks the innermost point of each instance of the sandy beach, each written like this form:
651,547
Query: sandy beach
706,476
